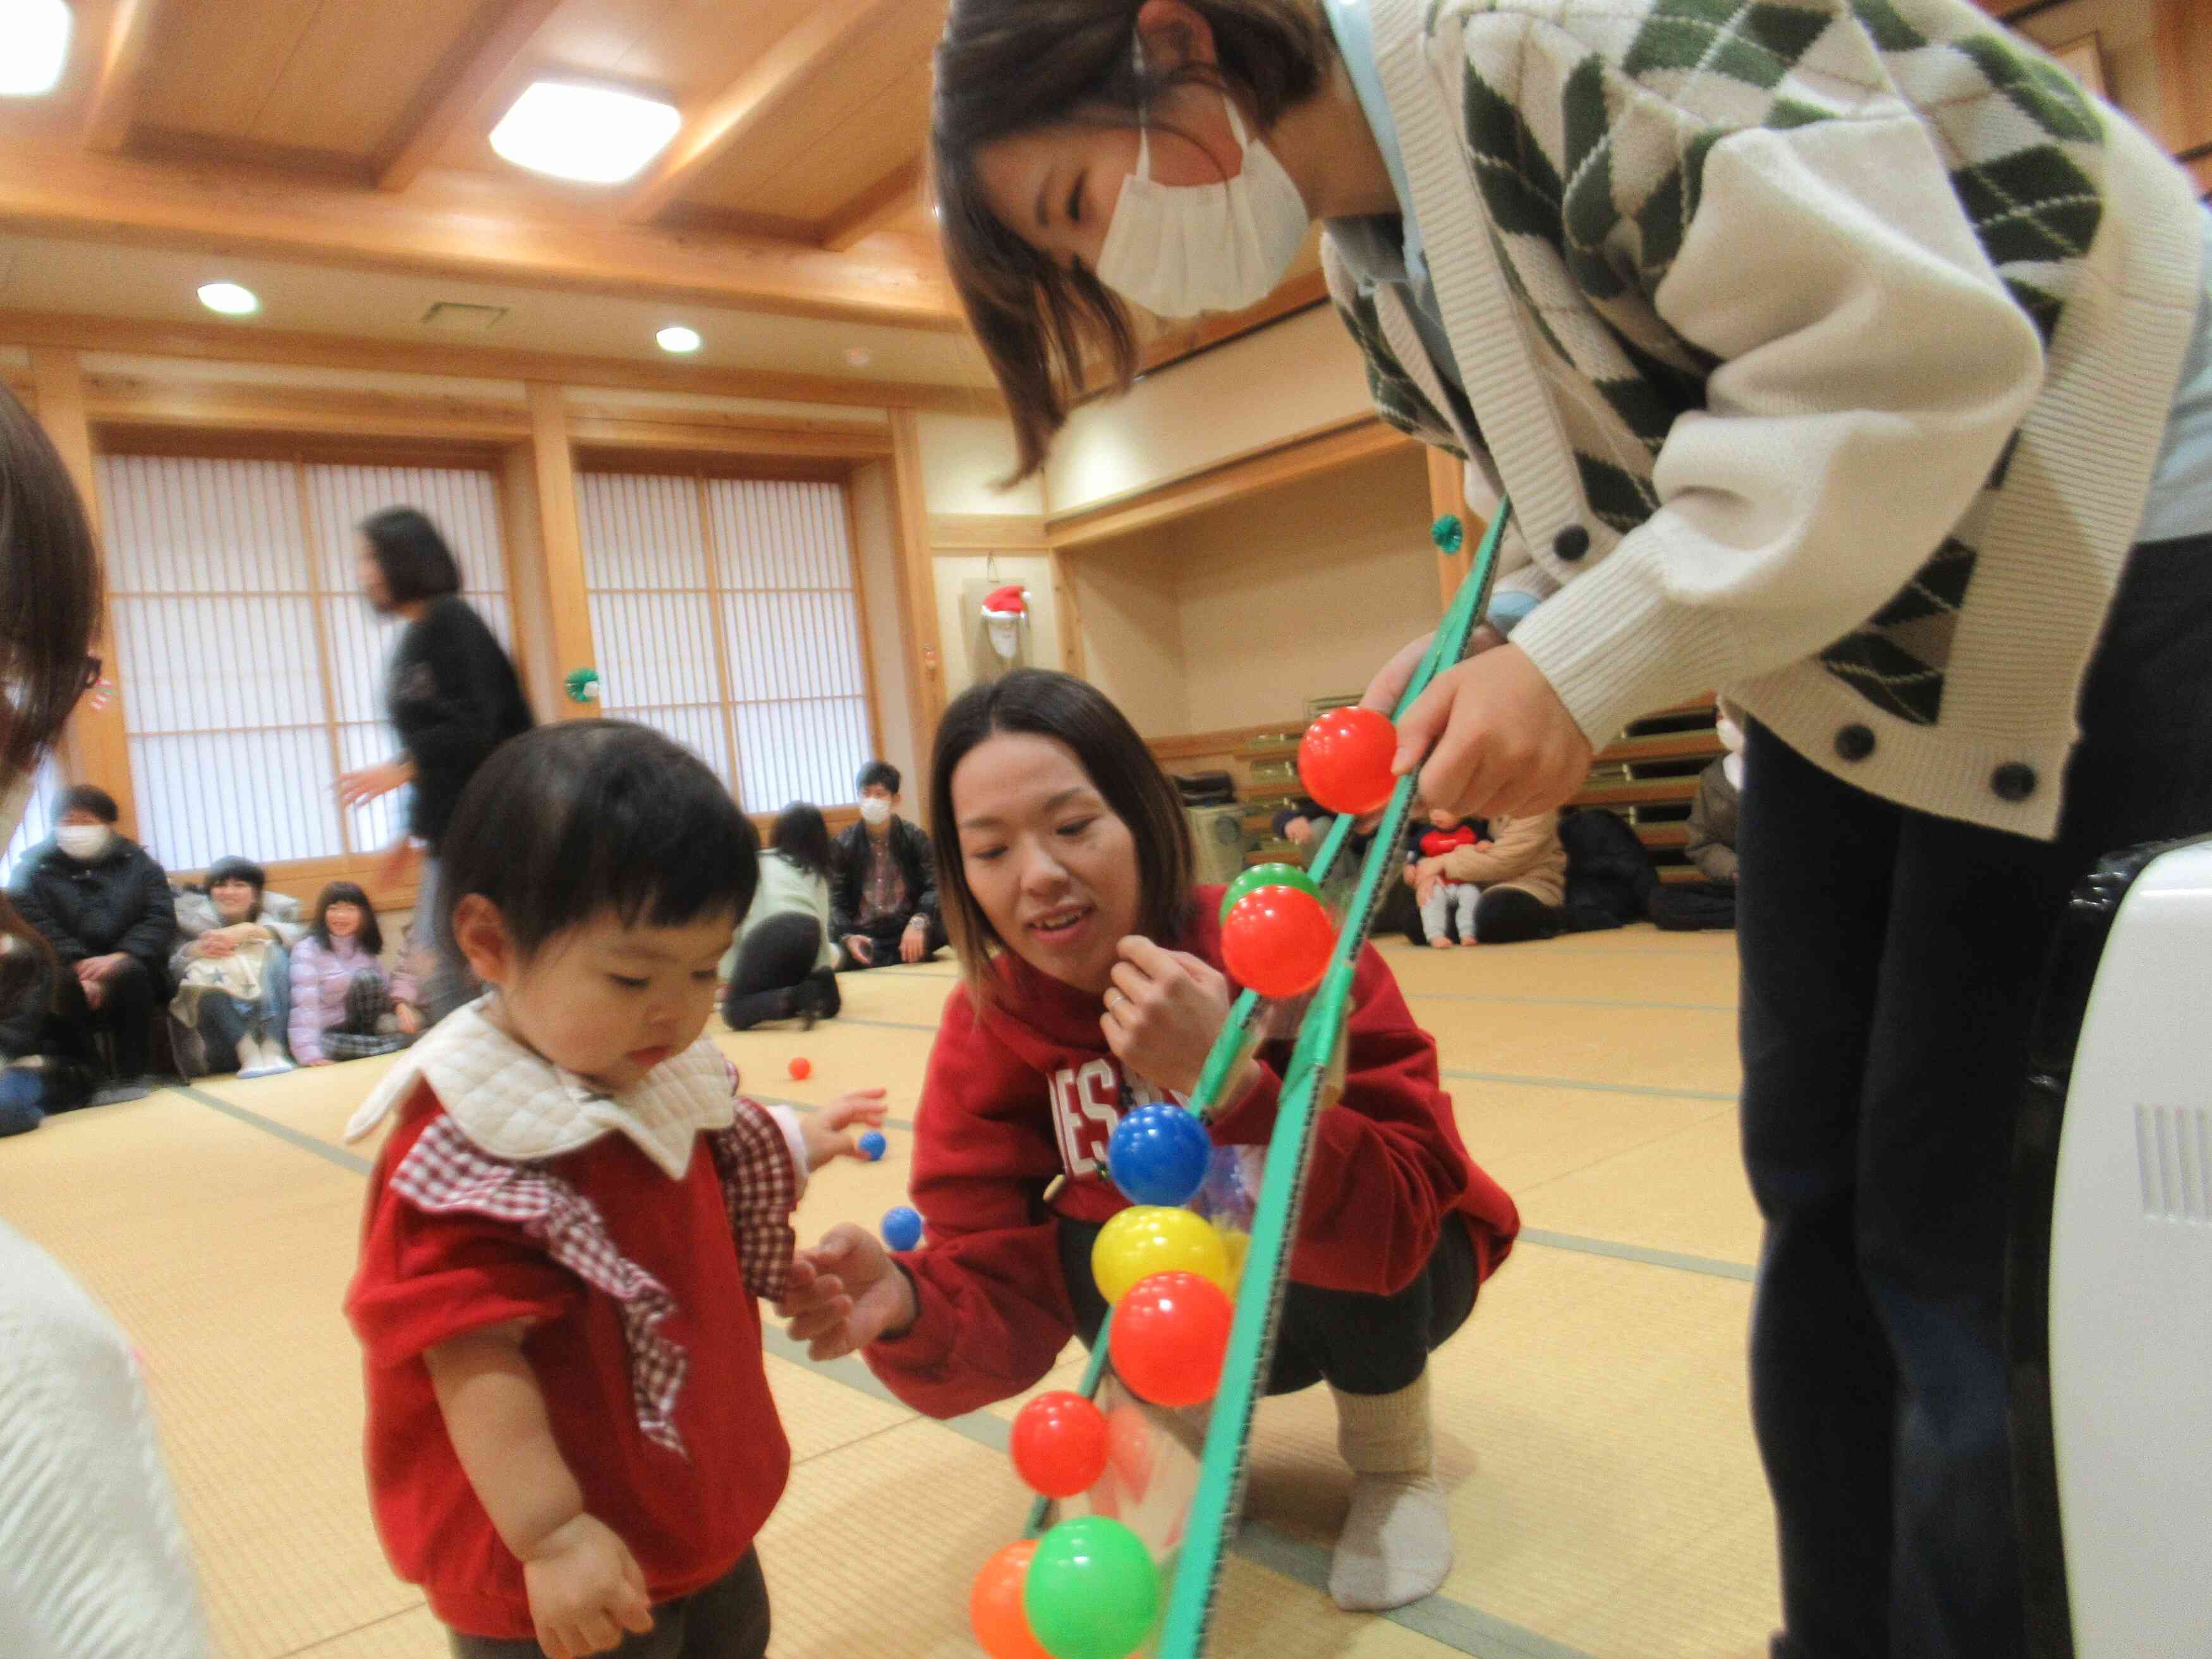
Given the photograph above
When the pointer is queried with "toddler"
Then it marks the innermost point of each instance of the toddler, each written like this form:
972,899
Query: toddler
571,1443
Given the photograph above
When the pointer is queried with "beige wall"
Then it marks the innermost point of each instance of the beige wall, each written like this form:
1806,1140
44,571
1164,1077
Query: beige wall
1237,616
1132,642
962,456
877,556
1302,373
957,621
2124,31
1305,593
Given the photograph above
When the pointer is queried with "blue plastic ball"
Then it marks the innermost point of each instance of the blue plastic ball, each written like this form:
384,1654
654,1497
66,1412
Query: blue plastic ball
873,1145
903,1227
1158,1155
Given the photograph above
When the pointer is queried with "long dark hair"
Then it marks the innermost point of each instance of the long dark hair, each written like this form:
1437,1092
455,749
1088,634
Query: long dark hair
371,936
802,835
572,820
1120,767
50,605
414,558
1006,67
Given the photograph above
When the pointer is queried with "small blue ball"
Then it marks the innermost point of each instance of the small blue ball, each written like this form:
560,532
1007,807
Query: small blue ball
1158,1155
873,1145
903,1228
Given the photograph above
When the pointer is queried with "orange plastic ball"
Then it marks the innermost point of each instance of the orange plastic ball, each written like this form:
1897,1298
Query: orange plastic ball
994,1605
802,1068
1344,760
1278,941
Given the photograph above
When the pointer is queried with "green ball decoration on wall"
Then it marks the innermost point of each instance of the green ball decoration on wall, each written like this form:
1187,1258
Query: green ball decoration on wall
583,685
1447,533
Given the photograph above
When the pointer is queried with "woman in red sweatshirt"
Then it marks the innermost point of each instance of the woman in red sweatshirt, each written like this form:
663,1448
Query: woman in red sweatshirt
1092,984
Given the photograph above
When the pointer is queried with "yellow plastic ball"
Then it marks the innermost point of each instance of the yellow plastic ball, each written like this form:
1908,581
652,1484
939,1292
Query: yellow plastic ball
1146,1239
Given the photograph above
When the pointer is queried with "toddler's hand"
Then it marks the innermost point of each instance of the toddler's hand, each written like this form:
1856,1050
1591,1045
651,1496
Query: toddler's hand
584,1590
824,1132
844,1294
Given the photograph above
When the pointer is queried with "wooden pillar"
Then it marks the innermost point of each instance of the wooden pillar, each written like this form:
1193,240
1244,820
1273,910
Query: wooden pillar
917,582
1447,494
2182,40
95,747
566,599
1068,608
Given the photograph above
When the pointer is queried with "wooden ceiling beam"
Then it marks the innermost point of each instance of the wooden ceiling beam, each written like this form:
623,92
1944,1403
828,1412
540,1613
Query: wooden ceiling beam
123,58
887,201
457,225
233,343
751,102
481,60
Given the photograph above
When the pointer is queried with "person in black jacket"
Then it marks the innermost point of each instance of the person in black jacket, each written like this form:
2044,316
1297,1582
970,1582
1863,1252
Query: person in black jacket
454,697
883,902
104,906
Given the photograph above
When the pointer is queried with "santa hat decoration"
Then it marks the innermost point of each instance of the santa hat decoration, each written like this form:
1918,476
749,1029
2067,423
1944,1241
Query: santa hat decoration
1005,609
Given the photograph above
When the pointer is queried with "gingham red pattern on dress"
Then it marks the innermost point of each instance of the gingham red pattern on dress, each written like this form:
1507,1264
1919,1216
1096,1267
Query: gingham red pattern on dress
444,1173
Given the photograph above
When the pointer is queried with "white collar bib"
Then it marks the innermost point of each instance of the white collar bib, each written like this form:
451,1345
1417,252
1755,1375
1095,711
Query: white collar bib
513,1102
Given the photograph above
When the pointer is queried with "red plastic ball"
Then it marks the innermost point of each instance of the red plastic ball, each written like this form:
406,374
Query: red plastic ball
994,1605
1060,1444
1278,940
1345,758
1169,1336
802,1068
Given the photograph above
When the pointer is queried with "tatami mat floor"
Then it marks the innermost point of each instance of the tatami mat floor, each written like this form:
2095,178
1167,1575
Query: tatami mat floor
1592,1423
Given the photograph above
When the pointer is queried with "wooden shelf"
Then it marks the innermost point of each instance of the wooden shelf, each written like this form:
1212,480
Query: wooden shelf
1638,795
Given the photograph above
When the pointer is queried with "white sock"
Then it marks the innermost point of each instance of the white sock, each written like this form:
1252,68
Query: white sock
1396,1546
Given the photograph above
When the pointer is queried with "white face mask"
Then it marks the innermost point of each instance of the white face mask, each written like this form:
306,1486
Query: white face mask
877,811
83,841
1178,250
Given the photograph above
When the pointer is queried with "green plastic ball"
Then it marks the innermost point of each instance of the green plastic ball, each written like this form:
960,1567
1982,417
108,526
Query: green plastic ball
1092,1592
1267,875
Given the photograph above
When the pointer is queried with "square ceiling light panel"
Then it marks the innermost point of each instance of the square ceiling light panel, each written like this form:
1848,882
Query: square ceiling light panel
593,135
35,38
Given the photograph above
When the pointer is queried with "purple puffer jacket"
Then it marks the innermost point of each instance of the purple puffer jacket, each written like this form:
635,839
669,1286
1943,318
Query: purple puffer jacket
321,975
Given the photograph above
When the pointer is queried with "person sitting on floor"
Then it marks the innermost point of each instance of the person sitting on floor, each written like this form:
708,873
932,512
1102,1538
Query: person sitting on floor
343,1006
104,905
234,977
1711,845
1522,871
884,896
783,963
1442,900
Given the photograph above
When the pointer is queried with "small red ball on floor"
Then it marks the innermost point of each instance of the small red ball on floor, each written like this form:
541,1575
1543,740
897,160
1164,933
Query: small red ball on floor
802,1068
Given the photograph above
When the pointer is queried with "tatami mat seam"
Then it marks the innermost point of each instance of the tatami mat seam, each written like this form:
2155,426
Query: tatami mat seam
335,1637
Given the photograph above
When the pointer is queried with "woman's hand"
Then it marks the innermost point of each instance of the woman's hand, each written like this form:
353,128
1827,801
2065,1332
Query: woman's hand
913,944
861,949
1388,688
585,1589
1505,745
1163,1013
824,1132
372,782
410,1018
216,944
844,1294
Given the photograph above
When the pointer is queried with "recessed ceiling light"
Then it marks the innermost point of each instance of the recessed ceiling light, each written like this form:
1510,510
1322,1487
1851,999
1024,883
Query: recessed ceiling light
678,339
593,134
230,299
34,38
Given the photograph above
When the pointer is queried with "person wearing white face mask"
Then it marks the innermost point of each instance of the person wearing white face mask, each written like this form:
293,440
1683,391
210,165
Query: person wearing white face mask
1841,355
883,900
104,905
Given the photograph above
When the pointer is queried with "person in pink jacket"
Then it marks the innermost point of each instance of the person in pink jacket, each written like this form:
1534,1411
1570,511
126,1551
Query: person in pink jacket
343,1005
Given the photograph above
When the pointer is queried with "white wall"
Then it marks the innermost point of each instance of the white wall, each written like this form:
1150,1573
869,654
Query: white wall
963,457
1133,637
1298,374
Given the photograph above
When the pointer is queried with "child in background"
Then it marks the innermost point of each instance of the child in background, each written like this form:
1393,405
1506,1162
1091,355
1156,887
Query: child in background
1443,898
571,1442
342,1006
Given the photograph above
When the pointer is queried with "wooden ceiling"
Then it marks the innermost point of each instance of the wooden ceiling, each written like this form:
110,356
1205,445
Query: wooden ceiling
356,132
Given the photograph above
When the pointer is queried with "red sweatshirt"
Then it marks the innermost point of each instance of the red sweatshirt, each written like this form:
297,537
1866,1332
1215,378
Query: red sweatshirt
688,1502
1024,1093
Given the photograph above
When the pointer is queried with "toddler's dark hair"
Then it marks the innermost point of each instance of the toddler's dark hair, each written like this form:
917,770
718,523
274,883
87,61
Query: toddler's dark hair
371,936
569,821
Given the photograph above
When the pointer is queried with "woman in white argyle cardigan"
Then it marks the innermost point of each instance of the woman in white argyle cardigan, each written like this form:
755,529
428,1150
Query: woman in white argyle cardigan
1839,354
